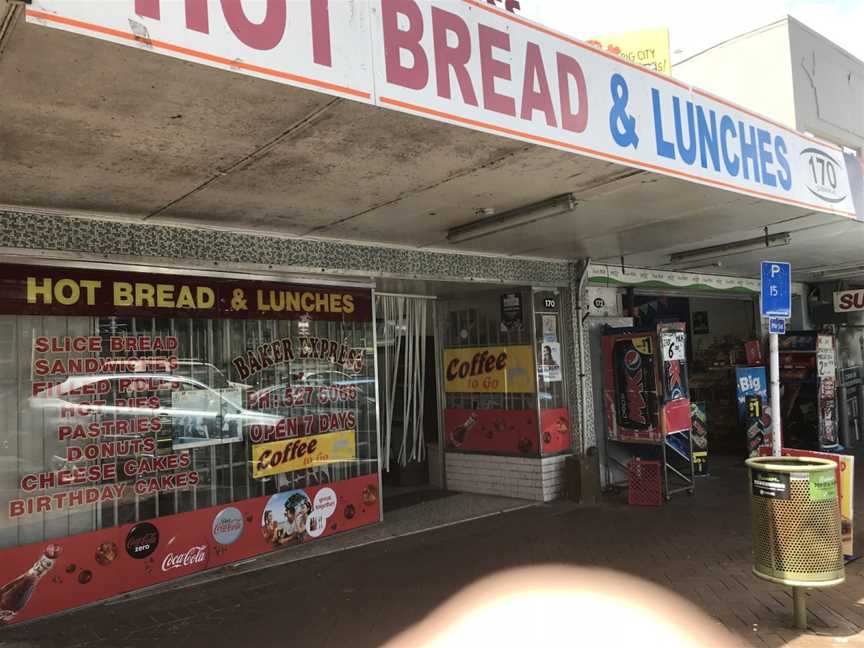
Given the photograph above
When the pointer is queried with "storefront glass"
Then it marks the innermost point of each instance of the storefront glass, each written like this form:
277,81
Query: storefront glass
554,416
503,376
155,426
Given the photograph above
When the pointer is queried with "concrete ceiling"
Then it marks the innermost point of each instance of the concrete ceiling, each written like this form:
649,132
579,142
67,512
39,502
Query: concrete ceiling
92,127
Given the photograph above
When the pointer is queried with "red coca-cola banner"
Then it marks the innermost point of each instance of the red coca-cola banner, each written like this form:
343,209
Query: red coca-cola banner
48,577
512,432
494,431
37,290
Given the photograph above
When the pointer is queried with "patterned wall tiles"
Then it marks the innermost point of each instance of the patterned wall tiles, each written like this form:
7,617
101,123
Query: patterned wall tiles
120,238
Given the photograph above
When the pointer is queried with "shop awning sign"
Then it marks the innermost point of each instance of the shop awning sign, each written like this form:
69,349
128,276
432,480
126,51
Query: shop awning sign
474,65
848,301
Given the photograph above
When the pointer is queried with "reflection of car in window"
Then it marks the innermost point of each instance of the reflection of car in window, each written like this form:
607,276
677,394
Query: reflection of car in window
206,373
190,413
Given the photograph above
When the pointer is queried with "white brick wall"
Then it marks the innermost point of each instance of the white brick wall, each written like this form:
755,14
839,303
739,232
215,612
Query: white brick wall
531,478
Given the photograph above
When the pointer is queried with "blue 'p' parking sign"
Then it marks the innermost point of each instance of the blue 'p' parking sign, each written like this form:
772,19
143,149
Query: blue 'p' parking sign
776,289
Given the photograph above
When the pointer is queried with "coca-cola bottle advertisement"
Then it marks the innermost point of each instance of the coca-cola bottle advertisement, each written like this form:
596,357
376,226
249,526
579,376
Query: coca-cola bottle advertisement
16,594
81,569
43,578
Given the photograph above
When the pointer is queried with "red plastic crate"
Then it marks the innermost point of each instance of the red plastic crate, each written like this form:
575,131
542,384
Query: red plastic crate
645,483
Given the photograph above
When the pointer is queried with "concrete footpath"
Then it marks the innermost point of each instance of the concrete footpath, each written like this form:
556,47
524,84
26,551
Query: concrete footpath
698,547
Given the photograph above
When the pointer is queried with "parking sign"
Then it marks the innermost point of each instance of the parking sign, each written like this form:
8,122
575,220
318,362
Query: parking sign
776,289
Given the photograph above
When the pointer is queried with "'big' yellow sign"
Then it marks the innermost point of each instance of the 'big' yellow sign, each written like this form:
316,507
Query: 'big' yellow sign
489,370
302,452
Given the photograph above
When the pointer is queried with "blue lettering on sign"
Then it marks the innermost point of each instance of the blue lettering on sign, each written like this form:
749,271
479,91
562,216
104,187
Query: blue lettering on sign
786,176
664,148
708,138
766,158
727,129
687,151
622,125
694,134
748,151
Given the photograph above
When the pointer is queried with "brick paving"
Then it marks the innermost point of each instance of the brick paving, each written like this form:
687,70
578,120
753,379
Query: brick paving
698,547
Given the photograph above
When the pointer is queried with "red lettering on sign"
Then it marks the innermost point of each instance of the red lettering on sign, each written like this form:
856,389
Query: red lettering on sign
455,57
322,50
261,36
492,68
541,98
569,68
397,41
197,18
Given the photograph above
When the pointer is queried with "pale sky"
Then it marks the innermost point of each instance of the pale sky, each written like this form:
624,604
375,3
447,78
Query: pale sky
695,26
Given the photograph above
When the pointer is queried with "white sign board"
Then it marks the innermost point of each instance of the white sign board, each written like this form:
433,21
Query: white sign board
673,346
848,301
469,63
825,360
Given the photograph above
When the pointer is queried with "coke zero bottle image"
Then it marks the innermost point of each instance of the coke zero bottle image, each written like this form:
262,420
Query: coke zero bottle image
15,595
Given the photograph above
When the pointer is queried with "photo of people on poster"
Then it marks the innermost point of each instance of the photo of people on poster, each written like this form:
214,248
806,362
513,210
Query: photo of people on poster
285,517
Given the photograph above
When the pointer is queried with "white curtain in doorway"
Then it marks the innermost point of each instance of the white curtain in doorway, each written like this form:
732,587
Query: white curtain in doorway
404,342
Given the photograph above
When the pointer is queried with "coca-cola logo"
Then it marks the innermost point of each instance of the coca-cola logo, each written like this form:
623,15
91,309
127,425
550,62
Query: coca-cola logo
192,556
142,540
227,526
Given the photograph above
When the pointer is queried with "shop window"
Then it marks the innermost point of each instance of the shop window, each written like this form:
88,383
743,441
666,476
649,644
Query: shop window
554,413
500,397
109,420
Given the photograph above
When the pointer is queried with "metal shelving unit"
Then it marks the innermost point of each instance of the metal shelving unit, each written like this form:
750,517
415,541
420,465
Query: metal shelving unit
679,473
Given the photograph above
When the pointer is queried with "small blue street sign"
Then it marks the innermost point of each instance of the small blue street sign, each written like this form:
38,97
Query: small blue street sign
777,325
776,289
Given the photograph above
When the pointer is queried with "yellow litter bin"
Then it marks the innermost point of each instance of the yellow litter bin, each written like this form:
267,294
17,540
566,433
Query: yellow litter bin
796,524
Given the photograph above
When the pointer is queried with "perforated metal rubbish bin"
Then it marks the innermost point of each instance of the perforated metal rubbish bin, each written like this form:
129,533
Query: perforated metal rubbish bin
796,521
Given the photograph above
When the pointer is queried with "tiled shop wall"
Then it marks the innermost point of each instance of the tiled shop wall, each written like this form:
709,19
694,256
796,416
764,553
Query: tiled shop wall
529,478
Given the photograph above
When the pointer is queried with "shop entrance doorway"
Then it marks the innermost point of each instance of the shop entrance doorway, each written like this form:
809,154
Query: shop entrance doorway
408,399
722,375
720,330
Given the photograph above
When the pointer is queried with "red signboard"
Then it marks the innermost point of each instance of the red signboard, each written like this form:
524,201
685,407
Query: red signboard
494,431
44,578
36,290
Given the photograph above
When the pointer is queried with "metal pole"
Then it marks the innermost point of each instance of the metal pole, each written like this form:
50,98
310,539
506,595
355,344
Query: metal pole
799,600
777,441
